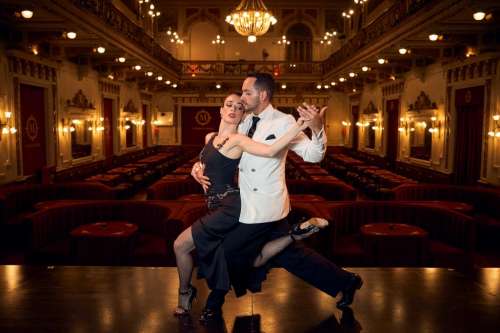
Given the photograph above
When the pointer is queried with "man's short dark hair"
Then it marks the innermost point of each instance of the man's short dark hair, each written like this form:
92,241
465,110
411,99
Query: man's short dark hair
264,81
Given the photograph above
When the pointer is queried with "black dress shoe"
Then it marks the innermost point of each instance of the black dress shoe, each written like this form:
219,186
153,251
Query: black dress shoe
209,315
355,283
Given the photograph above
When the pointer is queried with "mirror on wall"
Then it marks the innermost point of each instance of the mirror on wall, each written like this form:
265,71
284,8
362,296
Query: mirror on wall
420,138
130,133
81,138
370,135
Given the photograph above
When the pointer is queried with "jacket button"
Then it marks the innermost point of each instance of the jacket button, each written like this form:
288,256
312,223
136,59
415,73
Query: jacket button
255,190
253,170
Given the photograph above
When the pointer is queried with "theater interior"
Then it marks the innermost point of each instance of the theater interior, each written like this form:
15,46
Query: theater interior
104,107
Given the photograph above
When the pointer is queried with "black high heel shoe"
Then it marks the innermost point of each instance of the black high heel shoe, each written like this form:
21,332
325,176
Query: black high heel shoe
185,301
307,228
209,315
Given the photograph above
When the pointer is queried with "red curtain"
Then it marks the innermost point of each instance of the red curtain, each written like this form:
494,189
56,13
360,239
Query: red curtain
146,127
197,122
33,128
355,129
392,108
108,128
469,103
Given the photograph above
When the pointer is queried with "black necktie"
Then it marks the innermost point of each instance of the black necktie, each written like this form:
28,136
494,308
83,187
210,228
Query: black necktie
251,131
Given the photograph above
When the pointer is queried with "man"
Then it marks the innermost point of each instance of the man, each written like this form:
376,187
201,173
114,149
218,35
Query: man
264,196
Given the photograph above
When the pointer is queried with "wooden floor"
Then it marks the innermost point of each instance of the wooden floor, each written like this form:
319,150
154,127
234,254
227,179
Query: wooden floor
133,299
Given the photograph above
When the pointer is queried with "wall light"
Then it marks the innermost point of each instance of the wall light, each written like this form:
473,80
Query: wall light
26,13
404,124
479,15
435,125
496,126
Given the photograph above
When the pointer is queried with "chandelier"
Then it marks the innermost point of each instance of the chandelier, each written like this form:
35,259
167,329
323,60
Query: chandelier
251,18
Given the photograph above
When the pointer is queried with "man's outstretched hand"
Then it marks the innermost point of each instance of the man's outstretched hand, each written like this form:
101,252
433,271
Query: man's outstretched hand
314,115
198,174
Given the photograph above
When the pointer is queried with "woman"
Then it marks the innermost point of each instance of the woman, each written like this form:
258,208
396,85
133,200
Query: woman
220,157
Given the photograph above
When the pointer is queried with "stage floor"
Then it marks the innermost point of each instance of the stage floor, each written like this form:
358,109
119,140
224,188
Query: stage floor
137,299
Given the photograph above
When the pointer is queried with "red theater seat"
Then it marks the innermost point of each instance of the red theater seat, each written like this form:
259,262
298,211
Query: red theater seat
451,234
485,203
50,229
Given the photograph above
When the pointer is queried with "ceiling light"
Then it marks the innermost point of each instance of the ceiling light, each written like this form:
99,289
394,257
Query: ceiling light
26,13
217,86
433,37
381,61
341,79
71,35
174,85
101,49
283,86
326,86
137,67
354,90
352,74
318,86
365,68
149,73
167,82
403,51
159,78
479,16
251,18
122,59
333,83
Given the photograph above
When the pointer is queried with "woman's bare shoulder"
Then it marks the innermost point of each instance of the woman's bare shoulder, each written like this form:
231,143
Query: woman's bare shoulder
209,136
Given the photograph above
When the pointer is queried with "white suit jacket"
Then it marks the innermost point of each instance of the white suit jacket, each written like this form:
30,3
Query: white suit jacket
264,196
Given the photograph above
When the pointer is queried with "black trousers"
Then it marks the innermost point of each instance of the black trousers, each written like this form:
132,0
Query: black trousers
297,258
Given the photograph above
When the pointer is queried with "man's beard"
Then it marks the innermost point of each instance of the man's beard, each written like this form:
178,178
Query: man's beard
251,108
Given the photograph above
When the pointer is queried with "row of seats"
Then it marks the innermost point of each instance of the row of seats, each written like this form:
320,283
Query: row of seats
451,234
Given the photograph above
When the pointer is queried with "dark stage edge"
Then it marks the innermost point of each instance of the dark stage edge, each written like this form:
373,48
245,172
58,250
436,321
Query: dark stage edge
137,299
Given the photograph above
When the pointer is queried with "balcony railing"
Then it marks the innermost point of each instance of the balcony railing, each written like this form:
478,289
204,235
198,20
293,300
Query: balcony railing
391,19
240,68
116,20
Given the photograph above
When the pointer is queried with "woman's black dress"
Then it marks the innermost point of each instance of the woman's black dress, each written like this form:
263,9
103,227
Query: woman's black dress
223,199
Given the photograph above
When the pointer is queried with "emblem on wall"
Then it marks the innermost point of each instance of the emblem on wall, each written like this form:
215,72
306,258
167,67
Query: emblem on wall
202,117
31,128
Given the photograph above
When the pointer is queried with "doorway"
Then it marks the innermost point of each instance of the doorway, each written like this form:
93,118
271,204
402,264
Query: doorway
33,131
108,134
469,106
392,109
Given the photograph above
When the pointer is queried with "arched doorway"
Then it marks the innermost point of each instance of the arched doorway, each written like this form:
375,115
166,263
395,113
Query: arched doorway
300,49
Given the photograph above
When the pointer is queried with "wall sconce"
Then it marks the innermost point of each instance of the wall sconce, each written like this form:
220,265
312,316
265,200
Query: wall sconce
496,131
100,125
6,120
346,123
378,124
404,125
435,125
